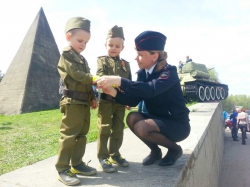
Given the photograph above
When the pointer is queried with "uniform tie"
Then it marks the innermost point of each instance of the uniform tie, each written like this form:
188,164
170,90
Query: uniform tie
148,74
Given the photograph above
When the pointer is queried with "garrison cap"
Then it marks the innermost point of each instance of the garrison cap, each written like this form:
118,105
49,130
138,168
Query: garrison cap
115,32
150,41
77,23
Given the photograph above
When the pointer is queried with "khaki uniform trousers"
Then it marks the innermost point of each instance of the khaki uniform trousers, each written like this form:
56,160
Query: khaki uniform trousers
110,124
74,128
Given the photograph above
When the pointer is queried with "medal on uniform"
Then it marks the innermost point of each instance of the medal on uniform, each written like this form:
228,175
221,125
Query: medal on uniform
123,66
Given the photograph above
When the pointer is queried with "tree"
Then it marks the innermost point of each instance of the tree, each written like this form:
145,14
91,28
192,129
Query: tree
236,100
1,75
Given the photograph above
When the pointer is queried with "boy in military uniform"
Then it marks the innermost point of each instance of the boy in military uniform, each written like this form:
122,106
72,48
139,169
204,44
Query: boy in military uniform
78,97
110,113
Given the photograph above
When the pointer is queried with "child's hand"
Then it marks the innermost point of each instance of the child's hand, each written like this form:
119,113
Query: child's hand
94,78
128,107
94,104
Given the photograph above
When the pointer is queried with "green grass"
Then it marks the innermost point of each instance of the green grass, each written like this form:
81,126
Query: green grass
192,103
29,138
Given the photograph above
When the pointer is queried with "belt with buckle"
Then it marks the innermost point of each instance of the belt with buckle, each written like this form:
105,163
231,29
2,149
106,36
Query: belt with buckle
76,95
107,97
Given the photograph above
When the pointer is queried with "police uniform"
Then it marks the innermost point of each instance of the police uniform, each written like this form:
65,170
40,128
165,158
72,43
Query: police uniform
163,98
75,103
161,92
111,113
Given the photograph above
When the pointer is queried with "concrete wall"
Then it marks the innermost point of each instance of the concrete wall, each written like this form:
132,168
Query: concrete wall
204,147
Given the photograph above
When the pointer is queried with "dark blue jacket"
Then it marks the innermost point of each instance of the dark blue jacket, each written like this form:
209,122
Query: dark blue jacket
161,93
235,114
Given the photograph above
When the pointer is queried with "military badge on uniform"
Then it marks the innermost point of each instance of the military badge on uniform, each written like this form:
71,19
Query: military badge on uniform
124,66
164,75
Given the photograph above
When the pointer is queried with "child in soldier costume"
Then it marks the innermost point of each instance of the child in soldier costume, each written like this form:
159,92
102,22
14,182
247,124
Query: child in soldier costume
110,113
78,97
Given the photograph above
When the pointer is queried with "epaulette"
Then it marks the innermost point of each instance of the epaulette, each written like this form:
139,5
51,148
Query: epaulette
67,48
101,56
166,66
124,60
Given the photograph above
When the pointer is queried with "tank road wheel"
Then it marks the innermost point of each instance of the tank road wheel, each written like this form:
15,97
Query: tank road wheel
222,93
212,93
207,93
201,93
217,93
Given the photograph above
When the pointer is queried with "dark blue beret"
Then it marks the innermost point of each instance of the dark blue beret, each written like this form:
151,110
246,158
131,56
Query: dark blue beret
150,41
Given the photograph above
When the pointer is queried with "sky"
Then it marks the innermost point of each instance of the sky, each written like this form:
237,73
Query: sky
212,32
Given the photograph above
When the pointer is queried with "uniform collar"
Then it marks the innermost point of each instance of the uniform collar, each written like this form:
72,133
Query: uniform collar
71,48
151,69
115,58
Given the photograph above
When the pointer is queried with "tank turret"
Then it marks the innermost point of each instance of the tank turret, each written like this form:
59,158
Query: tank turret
197,84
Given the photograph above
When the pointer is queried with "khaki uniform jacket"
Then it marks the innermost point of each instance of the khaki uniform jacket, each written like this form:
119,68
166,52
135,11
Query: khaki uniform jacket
75,72
107,65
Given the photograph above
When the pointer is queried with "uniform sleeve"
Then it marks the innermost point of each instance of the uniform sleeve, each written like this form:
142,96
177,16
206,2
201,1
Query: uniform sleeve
100,68
127,99
67,67
152,88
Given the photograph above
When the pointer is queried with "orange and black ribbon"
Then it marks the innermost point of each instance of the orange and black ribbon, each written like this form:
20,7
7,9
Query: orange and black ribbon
123,66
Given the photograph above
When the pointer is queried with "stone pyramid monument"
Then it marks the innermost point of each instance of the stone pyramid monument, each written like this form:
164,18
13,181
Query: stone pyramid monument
31,82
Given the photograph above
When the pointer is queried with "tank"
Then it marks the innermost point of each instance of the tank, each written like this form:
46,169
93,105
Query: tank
197,85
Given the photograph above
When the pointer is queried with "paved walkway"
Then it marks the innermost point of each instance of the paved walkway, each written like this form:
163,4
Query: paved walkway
236,162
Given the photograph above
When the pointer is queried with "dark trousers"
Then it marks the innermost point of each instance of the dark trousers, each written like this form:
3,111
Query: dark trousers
243,129
234,131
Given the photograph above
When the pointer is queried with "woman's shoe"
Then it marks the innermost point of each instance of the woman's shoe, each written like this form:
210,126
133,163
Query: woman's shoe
171,157
152,157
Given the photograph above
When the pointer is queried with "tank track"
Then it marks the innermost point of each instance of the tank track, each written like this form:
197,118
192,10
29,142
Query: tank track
205,91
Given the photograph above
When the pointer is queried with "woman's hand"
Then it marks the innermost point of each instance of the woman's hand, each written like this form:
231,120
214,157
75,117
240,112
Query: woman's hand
108,81
110,91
